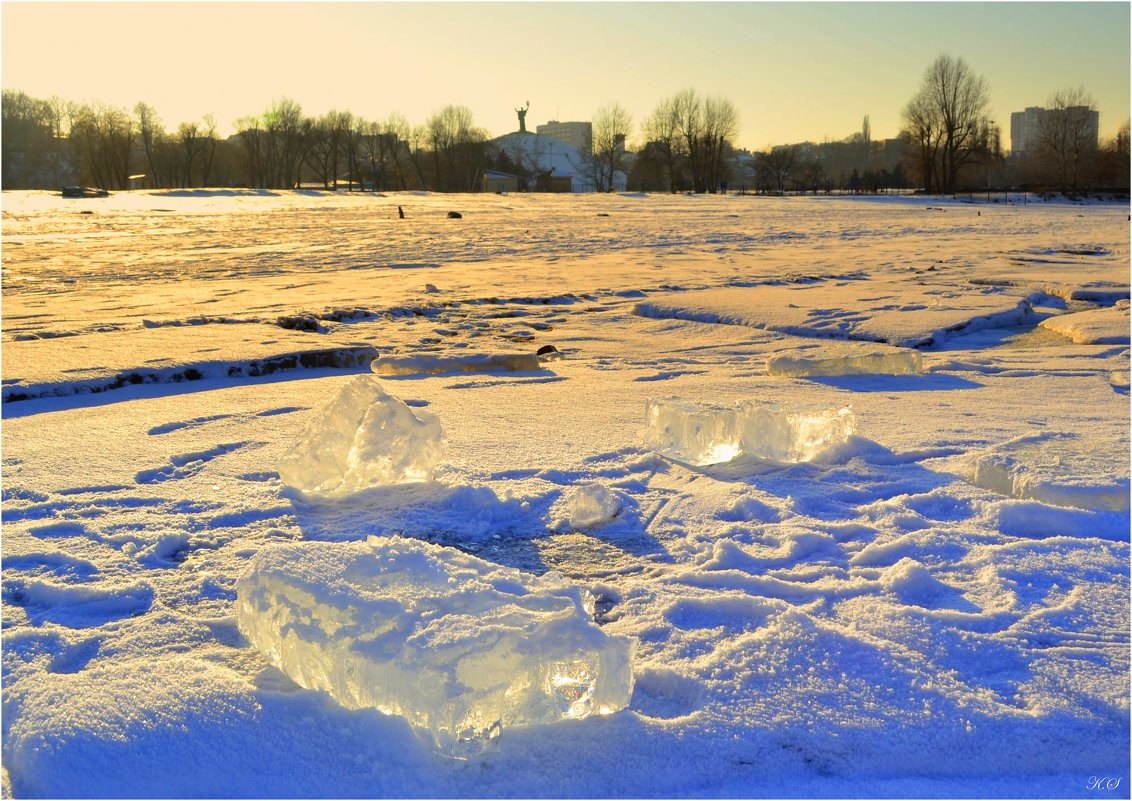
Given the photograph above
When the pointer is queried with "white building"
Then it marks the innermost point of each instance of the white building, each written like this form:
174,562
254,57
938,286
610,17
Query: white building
578,134
537,155
1026,126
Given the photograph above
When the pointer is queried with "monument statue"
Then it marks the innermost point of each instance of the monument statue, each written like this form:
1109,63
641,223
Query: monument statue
522,112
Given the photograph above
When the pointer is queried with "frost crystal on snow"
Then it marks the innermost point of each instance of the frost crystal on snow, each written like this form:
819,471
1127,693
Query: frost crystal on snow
701,434
850,359
363,438
460,647
427,363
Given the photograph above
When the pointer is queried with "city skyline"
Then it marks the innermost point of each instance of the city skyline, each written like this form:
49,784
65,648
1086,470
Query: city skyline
794,71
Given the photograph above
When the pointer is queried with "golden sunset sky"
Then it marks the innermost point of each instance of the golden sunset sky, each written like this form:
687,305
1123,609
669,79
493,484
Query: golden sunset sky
794,71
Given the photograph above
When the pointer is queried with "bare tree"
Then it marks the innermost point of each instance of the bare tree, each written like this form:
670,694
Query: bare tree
275,144
1067,135
612,124
776,167
705,128
1112,168
208,150
457,149
331,137
106,140
36,151
720,126
946,119
662,132
190,144
152,133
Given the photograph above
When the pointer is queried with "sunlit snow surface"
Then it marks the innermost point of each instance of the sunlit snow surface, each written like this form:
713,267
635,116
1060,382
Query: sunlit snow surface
877,622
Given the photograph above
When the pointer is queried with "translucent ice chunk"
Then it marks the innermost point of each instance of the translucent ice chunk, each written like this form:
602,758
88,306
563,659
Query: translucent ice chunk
363,438
795,434
1058,469
847,359
701,434
585,506
460,647
692,432
462,363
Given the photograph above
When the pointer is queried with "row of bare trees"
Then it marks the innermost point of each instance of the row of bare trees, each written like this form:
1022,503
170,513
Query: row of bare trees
692,136
50,143
956,145
689,137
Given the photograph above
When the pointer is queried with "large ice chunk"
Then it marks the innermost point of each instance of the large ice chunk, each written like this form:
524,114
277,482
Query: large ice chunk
699,433
855,358
364,437
429,363
692,432
1060,469
460,647
794,434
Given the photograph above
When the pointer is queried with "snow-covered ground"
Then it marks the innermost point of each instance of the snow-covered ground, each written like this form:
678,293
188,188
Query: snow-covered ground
936,606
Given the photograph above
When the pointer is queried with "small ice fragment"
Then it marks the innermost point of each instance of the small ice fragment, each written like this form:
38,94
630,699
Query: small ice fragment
1057,469
460,647
363,438
848,359
428,363
701,434
586,506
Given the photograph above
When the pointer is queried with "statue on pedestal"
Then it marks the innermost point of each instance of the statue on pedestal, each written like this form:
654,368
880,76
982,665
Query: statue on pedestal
522,112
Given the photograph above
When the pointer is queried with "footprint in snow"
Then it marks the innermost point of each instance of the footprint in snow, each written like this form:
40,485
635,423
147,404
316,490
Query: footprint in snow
185,465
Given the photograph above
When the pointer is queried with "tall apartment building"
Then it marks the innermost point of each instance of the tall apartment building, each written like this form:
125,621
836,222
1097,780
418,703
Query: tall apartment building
578,134
1026,126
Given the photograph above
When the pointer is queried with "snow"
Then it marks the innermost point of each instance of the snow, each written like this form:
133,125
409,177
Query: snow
1059,469
461,648
1094,327
97,362
705,434
364,437
884,312
872,622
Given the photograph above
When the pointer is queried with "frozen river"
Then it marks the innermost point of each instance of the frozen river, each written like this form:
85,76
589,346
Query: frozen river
932,604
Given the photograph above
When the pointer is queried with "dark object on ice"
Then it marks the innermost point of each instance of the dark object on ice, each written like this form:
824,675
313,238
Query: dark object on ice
602,214
545,349
298,322
86,211
400,212
455,215
84,191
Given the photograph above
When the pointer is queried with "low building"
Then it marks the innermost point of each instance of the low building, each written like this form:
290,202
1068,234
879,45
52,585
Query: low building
498,182
549,182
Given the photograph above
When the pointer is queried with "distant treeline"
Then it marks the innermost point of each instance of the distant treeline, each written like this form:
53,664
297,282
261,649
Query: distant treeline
948,144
